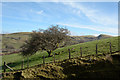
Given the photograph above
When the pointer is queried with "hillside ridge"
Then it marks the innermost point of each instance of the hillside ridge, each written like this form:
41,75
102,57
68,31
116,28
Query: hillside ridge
12,42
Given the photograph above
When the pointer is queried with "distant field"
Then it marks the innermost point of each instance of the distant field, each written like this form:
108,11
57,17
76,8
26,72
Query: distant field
15,40
88,48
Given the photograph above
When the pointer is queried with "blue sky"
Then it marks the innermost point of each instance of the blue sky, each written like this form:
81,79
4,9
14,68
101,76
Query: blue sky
81,18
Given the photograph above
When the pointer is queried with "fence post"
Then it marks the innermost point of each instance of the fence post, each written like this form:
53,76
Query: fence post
43,60
4,67
110,48
54,57
27,62
69,53
96,49
81,51
22,66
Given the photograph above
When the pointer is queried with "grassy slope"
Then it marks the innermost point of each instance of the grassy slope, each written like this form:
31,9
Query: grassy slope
10,39
88,49
14,41
89,67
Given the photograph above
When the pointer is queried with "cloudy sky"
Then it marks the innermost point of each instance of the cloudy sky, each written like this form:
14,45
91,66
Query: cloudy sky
81,18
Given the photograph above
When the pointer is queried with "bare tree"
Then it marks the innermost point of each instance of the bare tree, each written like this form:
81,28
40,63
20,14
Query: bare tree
48,40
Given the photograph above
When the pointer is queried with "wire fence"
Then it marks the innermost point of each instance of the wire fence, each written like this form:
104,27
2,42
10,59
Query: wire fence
70,55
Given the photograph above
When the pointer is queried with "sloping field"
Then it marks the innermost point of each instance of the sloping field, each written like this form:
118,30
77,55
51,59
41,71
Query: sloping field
89,67
88,48
14,40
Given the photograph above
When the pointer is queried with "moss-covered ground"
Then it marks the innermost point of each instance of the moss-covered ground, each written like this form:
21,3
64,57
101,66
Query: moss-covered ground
89,67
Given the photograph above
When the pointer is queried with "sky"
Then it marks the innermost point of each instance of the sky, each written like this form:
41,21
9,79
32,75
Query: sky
81,18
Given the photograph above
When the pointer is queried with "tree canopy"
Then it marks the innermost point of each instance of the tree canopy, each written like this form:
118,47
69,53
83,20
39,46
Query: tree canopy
48,40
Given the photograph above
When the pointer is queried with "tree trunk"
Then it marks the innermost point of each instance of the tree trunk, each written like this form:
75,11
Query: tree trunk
49,53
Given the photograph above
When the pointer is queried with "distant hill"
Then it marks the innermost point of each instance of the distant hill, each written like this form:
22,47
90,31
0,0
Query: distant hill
103,36
81,39
13,42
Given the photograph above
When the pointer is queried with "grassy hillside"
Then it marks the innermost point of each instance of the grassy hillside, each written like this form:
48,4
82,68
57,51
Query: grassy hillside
13,42
89,67
88,48
14,39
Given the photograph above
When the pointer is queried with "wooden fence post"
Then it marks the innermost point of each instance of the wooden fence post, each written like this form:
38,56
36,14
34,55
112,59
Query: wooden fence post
110,48
43,60
4,67
96,49
27,62
22,66
54,57
69,53
81,51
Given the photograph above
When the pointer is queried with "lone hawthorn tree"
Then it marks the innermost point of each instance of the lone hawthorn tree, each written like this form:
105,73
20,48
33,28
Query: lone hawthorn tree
48,40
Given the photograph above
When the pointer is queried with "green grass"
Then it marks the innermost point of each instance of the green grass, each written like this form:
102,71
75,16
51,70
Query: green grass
88,48
16,40
8,39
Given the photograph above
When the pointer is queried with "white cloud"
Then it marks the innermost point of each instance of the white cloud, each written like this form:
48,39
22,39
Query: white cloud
115,35
93,27
39,12
107,34
96,35
94,15
73,33
106,23
60,0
